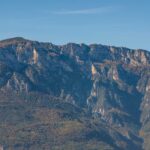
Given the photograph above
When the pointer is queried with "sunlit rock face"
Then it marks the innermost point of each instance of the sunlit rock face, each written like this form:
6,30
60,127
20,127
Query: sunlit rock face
35,56
101,91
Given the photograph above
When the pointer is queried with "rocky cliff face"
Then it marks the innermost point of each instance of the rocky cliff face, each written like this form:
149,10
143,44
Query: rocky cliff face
73,96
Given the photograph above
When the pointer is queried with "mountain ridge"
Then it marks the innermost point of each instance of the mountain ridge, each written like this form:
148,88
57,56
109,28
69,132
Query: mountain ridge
92,96
19,39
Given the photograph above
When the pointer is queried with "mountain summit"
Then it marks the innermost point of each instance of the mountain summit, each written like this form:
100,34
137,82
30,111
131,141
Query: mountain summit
73,96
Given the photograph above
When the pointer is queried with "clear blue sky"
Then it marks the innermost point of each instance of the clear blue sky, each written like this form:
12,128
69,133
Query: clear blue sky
111,22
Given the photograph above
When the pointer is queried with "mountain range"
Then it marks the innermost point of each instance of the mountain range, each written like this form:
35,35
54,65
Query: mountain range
73,96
